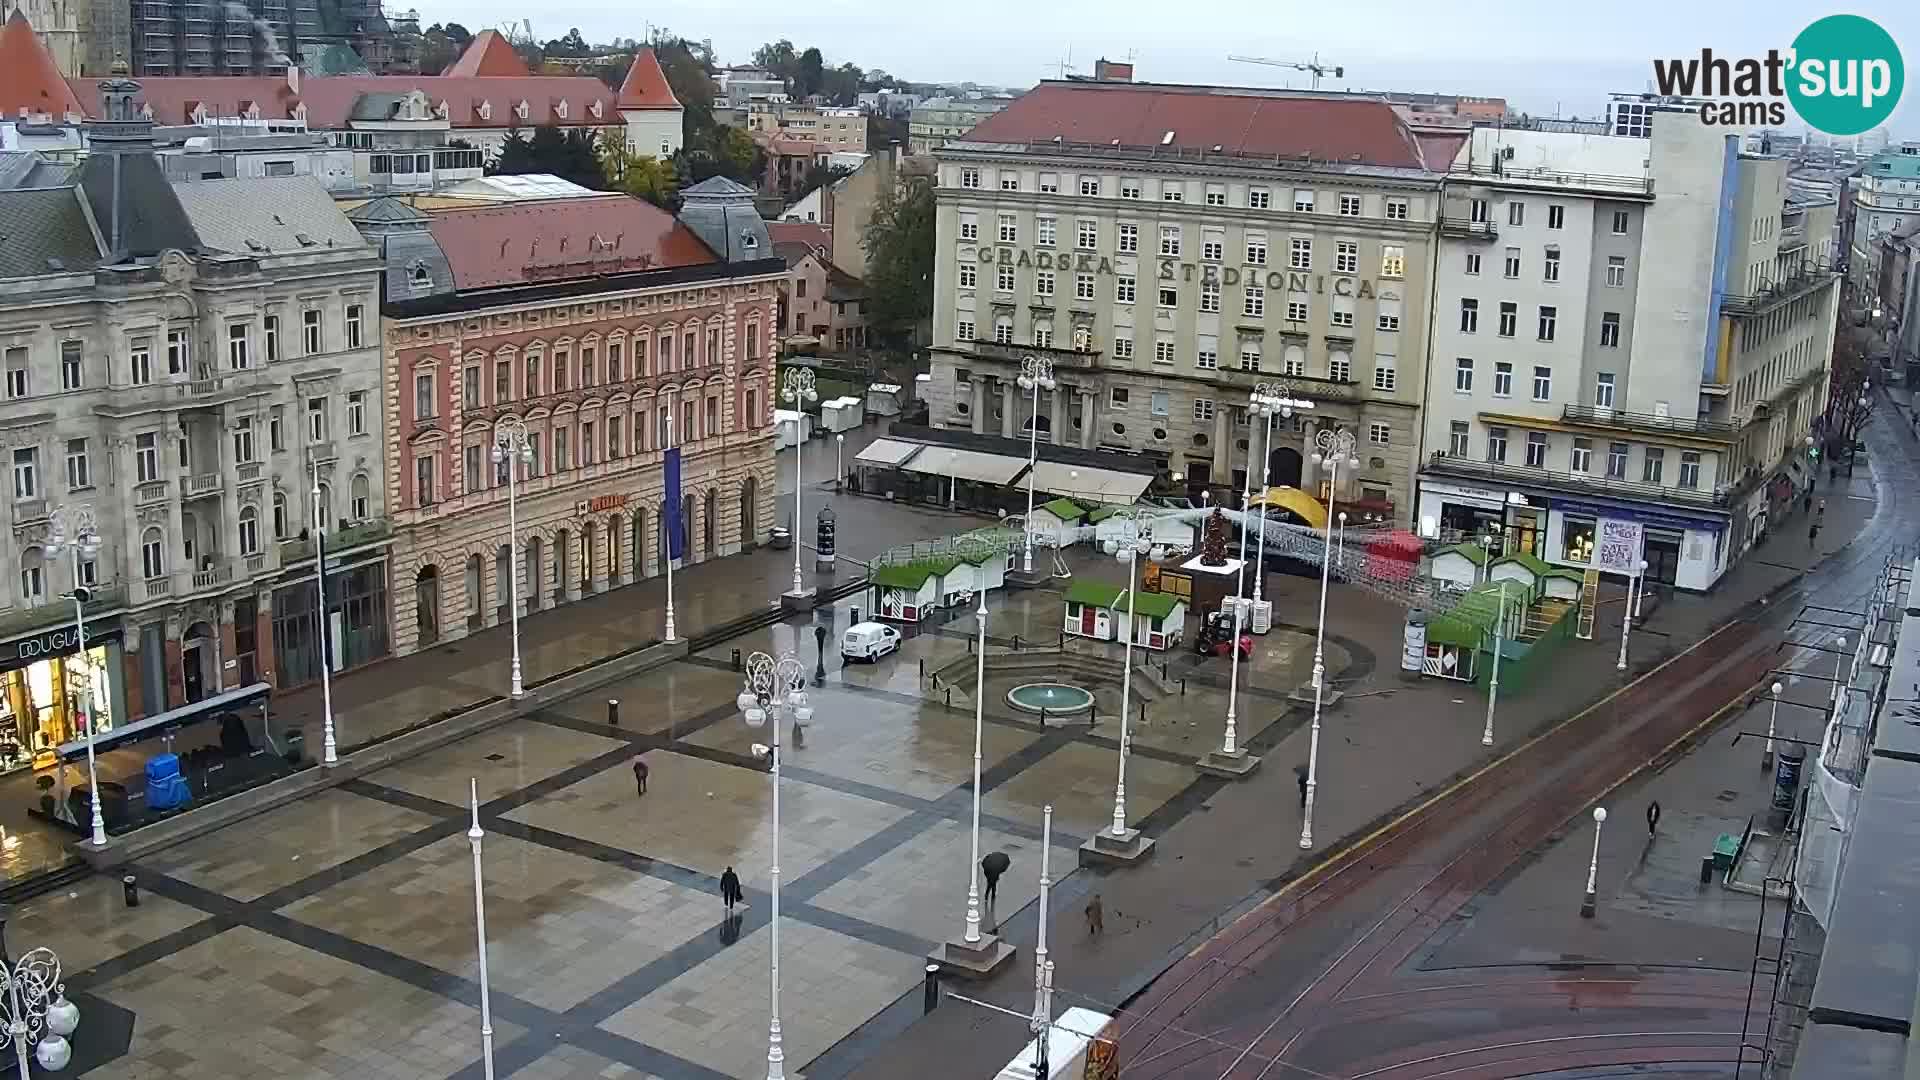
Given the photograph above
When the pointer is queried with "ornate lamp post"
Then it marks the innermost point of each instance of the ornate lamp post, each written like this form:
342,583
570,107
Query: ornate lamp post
772,684
1042,1022
72,530
1332,449
1634,584
1773,714
1036,374
1499,646
1587,904
1117,838
37,1011
1230,759
474,837
511,448
972,934
797,389
330,749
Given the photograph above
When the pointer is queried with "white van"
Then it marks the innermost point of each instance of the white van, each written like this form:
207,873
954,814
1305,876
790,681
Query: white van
869,641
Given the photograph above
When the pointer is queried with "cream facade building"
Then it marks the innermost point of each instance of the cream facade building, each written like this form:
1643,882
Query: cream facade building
1183,246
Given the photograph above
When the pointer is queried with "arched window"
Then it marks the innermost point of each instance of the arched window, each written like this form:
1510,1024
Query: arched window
362,494
33,576
323,512
279,515
153,554
249,531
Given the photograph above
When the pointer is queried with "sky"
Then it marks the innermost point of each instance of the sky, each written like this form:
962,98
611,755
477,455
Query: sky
1539,55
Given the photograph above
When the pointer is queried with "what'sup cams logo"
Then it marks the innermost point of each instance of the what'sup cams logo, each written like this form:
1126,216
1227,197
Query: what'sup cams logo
1843,75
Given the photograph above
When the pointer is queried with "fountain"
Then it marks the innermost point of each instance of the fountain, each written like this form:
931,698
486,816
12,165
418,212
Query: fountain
1050,699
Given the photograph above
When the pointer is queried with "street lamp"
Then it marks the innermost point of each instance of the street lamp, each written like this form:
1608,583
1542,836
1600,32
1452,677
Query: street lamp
330,750
1493,684
1268,400
972,935
1042,1023
474,836
839,460
1593,864
1334,446
1230,757
797,390
774,683
71,528
1839,661
1635,585
1129,552
511,447
37,1011
1773,713
1035,374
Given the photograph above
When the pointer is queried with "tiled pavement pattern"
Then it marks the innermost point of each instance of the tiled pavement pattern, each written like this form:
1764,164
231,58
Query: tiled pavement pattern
333,938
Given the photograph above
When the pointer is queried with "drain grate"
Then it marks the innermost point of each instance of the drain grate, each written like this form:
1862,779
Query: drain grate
496,757
1727,795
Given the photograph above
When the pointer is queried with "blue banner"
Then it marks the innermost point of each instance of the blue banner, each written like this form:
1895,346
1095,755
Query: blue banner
676,529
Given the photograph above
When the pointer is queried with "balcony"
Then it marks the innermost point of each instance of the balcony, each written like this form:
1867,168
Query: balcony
1062,359
1501,173
366,532
154,588
1622,420
256,564
29,510
219,573
150,493
198,485
24,620
580,395
1500,473
1810,278
248,472
1793,236
1463,229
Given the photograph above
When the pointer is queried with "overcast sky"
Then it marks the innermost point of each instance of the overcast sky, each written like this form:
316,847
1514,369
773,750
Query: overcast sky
1539,54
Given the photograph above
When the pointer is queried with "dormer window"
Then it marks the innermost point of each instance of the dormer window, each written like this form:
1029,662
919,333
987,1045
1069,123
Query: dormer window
598,109
485,110
748,240
440,110
560,108
418,278
199,113
521,110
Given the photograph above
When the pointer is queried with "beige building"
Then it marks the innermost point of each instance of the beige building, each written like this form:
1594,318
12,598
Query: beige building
832,130
938,121
1186,245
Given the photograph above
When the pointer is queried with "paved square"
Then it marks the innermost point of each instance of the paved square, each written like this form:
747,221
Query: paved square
504,760
658,702
245,1004
1078,780
562,927
254,857
87,923
830,985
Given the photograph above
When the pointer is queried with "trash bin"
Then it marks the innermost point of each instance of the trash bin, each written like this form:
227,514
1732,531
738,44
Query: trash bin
782,538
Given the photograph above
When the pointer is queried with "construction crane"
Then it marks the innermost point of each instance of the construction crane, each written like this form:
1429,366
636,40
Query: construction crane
1314,66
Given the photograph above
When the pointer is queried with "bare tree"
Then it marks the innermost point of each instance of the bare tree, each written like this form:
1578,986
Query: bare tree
1849,402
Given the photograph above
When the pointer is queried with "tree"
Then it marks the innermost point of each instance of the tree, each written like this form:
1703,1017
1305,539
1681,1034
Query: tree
640,175
569,155
777,57
726,151
820,176
1213,540
441,45
691,79
899,240
1849,397
808,73
571,45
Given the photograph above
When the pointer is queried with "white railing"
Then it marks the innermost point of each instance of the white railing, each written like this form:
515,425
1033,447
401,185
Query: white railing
218,575
202,484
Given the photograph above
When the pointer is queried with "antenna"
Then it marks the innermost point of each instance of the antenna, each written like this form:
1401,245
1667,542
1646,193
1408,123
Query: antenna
1064,66
1314,66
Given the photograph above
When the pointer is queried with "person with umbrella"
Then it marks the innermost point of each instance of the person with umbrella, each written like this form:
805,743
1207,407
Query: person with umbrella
730,891
992,866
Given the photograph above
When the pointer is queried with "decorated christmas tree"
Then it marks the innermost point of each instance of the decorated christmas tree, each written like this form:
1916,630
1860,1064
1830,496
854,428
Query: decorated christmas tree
1213,540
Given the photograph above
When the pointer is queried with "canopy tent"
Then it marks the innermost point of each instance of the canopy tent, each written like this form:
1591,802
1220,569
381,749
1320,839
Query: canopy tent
965,464
1294,501
1090,484
888,453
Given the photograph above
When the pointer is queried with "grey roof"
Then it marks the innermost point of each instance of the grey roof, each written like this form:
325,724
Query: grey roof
278,215
376,106
722,214
150,217
44,231
384,211
27,169
716,186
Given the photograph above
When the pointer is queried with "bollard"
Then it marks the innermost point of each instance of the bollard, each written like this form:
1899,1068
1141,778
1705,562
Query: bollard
1163,669
1016,643
1043,716
923,667
1143,712
736,659
969,645
613,712
930,995
1063,639
1183,686
949,697
131,889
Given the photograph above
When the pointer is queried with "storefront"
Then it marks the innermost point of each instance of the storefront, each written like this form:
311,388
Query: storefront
48,685
357,620
1514,522
1680,551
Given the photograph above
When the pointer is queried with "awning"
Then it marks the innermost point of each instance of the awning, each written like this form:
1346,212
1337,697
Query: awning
1297,502
1098,485
966,465
167,722
887,452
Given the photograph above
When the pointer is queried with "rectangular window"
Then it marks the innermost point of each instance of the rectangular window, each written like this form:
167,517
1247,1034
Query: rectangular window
970,178
1044,229
1457,437
1385,375
969,227
243,440
1170,240
1342,314
1548,317
1117,398
1551,268
562,450
1502,379
1617,461
1582,459
1396,209
1516,213
1210,295
17,385
1003,279
1346,257
1043,283
140,361
1128,239
1393,261
1009,181
1259,198
470,387
1086,234
79,465
1380,434
1123,288
1043,334
1619,223
1172,191
1469,315
589,447
270,333
276,430
1512,266
1497,445
237,358
1652,465
1300,253
1003,331
1340,367
146,458
1303,200
1616,271
616,449
1090,186
1297,308
316,419
1249,358
26,472
1009,229
1463,375
1159,403
1255,302
963,331
1536,450
310,331
423,396
1169,296
1603,390
1163,352
423,480
1216,195
1473,262
1689,469
1257,250
1610,329
1203,409
356,316
1349,206
1477,211
1509,319
1129,188
470,469
502,381
1556,215
1207,357
72,375
616,371
1083,286
179,352
1542,383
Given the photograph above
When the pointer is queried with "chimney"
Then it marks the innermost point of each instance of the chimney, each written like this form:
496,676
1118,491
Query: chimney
293,78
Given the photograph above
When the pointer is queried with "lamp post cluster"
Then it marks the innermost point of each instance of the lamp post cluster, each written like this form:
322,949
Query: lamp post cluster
1036,374
1129,552
512,450
1332,449
71,529
797,388
39,1018
1636,586
774,684
1269,399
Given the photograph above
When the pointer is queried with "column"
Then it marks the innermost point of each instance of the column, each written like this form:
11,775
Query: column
1309,473
979,385
1057,402
1088,437
1009,404
1224,454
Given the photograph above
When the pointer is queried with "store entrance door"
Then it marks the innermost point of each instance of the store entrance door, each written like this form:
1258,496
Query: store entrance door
1663,556
196,653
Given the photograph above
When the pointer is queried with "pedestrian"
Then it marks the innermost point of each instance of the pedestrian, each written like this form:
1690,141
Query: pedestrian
1813,533
992,866
1096,916
1300,774
1653,817
640,774
1823,510
1806,504
730,891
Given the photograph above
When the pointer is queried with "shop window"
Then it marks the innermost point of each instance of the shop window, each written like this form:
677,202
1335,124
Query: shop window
1576,540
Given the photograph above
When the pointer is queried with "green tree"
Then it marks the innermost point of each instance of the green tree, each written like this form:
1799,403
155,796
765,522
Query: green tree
691,77
569,155
571,45
639,175
809,72
899,240
776,56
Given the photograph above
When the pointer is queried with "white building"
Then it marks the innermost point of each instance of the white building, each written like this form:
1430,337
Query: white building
1626,330
178,356
1166,271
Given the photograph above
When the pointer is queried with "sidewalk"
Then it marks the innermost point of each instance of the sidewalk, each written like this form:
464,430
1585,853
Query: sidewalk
1379,755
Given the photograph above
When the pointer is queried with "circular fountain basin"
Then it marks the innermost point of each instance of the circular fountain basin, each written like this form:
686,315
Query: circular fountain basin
1053,699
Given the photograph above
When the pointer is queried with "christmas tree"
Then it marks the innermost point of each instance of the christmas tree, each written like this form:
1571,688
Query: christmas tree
1213,540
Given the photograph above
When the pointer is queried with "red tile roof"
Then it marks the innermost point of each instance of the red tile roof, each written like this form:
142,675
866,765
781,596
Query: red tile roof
488,55
800,232
646,85
562,240
1265,123
330,99
28,78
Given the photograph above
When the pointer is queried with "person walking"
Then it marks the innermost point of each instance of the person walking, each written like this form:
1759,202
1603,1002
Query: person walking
1300,775
1813,533
730,891
640,771
1096,916
992,865
1822,512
